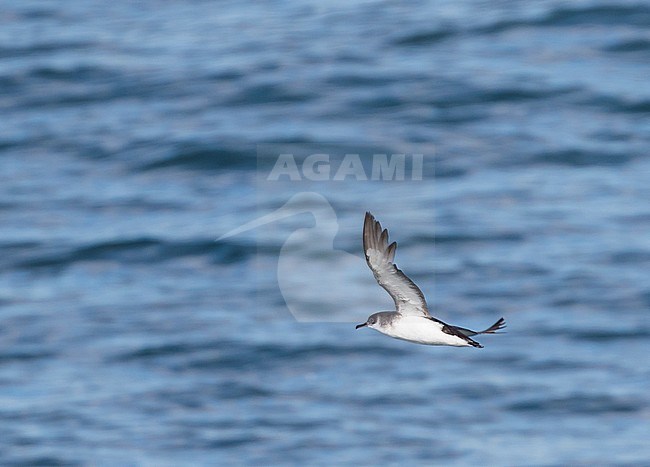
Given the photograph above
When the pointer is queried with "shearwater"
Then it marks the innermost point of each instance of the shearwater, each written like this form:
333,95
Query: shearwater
411,320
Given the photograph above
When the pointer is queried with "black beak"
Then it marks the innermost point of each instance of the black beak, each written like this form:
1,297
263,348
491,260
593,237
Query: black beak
361,325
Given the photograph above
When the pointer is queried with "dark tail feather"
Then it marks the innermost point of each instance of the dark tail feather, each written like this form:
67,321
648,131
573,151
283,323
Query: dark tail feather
491,330
495,327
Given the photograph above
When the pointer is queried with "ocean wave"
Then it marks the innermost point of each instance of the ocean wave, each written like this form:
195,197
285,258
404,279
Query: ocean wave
580,158
466,238
29,461
607,15
203,158
362,79
628,46
470,95
586,404
235,355
137,250
424,37
600,335
268,93
618,104
79,73
629,257
25,355
43,48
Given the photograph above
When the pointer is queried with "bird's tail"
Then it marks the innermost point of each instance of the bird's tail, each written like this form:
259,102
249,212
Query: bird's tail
491,330
495,327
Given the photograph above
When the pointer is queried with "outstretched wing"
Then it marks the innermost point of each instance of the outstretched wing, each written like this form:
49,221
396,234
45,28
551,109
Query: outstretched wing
408,298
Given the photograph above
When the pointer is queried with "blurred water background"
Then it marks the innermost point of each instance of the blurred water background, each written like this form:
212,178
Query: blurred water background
128,134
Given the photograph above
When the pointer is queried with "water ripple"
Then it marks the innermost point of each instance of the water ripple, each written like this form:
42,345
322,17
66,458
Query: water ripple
585,404
136,250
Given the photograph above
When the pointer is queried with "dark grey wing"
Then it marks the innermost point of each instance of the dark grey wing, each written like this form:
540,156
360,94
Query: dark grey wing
408,298
456,331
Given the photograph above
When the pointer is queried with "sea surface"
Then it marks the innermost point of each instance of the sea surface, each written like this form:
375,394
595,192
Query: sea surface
130,138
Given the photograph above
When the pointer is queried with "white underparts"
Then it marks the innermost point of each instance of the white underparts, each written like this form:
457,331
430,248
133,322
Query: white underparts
420,330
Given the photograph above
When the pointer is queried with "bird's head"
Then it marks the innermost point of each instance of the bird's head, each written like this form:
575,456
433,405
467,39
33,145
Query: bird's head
373,321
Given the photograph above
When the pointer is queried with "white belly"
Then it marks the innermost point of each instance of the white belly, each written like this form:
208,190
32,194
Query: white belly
423,331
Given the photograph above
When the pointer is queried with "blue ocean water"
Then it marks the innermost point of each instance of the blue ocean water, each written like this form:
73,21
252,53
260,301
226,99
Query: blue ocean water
128,144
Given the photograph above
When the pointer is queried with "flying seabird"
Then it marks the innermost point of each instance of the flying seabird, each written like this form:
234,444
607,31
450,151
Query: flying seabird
411,320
